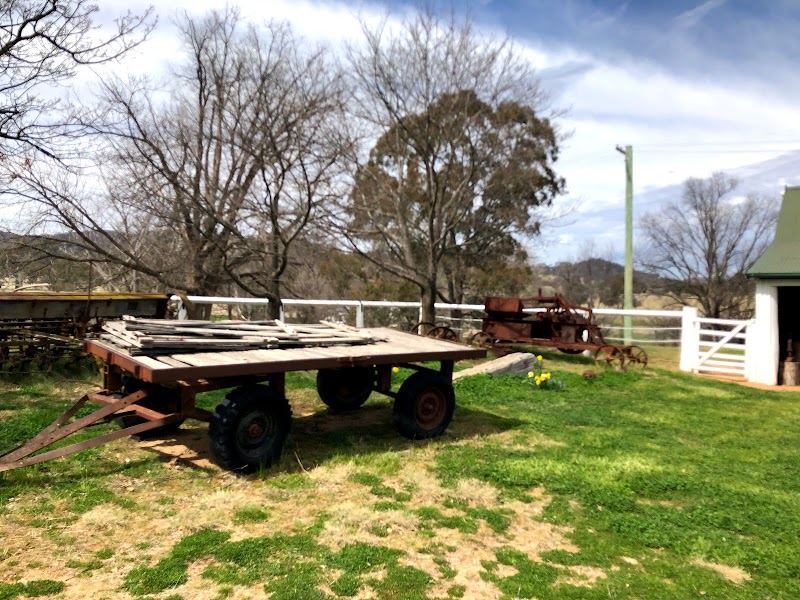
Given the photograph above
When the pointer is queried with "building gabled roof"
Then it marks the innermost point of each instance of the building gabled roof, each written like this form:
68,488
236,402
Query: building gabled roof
781,260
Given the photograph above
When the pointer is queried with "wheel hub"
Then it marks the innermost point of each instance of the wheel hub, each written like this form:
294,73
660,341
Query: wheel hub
253,432
431,408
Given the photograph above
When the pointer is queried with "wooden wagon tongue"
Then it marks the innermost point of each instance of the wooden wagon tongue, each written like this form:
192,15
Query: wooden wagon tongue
59,429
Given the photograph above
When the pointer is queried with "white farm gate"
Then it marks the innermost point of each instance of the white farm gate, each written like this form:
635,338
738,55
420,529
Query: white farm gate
716,346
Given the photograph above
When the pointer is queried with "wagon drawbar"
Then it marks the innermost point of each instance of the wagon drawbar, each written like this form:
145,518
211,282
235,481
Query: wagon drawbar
152,395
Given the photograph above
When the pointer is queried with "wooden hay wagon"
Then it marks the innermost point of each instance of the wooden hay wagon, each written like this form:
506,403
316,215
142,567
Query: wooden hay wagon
153,371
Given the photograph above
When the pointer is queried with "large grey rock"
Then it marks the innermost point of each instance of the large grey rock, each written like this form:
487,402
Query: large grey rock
517,363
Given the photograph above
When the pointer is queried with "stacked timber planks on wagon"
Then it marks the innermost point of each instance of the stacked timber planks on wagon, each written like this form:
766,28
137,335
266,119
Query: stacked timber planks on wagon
150,337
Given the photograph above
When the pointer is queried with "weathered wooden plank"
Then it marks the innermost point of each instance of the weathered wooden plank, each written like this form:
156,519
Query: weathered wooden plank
172,362
151,363
205,359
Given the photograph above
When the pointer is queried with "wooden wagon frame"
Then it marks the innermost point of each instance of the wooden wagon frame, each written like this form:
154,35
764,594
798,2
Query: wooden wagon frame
155,394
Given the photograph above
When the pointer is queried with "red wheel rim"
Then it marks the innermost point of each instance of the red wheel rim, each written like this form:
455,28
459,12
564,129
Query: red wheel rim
431,408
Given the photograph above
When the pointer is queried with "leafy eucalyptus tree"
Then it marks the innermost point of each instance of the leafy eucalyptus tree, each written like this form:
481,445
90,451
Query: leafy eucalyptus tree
464,152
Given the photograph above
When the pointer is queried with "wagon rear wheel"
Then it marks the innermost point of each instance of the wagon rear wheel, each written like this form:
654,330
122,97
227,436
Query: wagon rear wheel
424,405
345,389
248,429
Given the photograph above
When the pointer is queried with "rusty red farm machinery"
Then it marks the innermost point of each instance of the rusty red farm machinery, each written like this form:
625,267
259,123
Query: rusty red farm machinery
551,321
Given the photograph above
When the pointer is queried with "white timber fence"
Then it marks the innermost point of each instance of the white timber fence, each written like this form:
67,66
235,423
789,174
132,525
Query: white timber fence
717,346
650,326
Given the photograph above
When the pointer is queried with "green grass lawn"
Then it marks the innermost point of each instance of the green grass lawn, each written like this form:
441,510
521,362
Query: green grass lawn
644,485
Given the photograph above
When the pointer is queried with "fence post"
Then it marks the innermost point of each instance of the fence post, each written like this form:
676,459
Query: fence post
180,309
360,315
690,339
750,349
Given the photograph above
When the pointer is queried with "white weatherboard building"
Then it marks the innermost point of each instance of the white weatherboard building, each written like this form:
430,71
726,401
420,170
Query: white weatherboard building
776,332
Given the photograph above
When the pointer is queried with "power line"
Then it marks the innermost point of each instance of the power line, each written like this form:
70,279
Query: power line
723,151
724,143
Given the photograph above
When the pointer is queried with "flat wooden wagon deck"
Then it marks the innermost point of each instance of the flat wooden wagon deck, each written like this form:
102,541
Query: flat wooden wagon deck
152,395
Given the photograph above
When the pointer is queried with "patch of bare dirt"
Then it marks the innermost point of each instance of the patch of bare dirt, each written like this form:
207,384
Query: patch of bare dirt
732,574
192,494
582,576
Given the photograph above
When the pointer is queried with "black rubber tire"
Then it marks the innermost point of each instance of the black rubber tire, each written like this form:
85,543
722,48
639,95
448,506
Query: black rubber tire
570,350
158,398
346,389
248,429
424,405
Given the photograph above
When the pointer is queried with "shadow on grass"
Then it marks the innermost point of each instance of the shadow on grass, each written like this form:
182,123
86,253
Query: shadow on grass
322,436
314,440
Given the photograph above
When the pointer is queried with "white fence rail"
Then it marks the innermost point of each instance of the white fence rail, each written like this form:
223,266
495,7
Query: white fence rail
718,346
468,317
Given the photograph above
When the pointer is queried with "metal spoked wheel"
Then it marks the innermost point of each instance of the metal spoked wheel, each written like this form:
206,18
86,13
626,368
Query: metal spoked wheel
481,339
635,357
423,326
443,333
571,350
609,356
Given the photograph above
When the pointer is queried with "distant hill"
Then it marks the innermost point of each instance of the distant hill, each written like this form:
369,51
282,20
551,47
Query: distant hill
595,281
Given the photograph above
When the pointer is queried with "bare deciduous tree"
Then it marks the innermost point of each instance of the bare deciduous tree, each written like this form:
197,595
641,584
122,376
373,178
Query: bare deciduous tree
703,244
463,155
42,44
214,183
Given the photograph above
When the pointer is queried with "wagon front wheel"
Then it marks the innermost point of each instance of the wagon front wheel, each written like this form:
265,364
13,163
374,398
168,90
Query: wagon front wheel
159,398
248,429
424,405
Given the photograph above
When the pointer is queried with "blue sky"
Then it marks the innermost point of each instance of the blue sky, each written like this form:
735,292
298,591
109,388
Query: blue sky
694,86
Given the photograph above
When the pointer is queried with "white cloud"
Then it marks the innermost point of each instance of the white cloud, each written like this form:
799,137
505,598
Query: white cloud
692,17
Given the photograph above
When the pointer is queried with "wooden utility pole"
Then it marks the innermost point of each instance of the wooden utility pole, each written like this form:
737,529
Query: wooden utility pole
628,291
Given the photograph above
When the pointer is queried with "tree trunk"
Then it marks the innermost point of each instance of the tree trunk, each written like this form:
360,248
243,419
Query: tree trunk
274,294
427,310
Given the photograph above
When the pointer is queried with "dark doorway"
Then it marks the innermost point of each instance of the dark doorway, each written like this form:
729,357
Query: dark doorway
789,320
